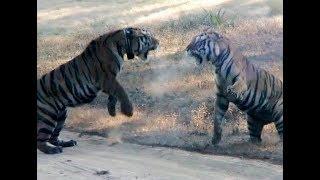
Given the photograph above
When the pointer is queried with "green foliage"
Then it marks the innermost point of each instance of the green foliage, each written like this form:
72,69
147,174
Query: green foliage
218,19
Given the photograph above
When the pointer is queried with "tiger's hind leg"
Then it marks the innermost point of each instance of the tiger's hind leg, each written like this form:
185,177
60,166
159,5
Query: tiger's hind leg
45,129
54,140
255,128
279,127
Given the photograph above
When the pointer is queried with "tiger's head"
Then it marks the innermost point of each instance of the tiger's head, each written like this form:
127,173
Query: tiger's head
138,42
205,46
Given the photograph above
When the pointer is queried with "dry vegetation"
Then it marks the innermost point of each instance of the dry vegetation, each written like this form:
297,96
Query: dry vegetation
173,98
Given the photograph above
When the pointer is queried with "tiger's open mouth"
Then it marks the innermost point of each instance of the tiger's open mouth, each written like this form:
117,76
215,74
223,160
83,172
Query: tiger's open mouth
144,56
154,47
198,58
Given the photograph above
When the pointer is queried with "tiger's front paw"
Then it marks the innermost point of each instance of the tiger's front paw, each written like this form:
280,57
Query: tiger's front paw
127,109
112,109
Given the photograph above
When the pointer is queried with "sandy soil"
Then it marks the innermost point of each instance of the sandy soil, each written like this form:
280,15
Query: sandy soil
98,158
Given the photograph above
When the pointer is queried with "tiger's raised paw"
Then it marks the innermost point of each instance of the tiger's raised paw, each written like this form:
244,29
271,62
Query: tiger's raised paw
127,109
112,110
112,101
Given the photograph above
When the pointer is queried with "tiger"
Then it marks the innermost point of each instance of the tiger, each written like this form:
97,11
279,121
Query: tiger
78,81
252,89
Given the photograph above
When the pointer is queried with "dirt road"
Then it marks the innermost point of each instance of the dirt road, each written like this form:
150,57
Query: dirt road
96,158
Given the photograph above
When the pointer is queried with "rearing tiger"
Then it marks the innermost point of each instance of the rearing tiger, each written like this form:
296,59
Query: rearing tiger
79,80
251,89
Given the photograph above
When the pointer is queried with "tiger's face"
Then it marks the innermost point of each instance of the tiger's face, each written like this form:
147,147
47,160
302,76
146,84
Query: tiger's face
204,46
141,42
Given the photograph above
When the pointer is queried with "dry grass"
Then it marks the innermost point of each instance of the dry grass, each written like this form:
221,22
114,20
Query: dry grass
173,98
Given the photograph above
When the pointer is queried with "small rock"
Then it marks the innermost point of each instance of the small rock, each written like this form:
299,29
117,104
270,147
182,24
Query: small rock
101,172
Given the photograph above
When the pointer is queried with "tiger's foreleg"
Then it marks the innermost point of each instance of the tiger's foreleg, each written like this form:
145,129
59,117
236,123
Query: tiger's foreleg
279,127
54,140
237,89
113,88
112,101
221,106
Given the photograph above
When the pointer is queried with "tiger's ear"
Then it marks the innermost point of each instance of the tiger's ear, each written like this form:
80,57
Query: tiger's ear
216,49
136,32
139,34
205,29
210,30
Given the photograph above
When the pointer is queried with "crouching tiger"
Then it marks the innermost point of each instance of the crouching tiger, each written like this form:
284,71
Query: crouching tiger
252,90
79,80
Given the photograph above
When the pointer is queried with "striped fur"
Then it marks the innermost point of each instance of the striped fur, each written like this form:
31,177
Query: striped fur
251,89
78,81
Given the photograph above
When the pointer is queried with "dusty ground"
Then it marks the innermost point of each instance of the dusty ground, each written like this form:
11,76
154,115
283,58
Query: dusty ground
173,98
98,158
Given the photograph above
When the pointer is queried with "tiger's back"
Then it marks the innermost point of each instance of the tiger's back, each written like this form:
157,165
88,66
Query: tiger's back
69,85
263,98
